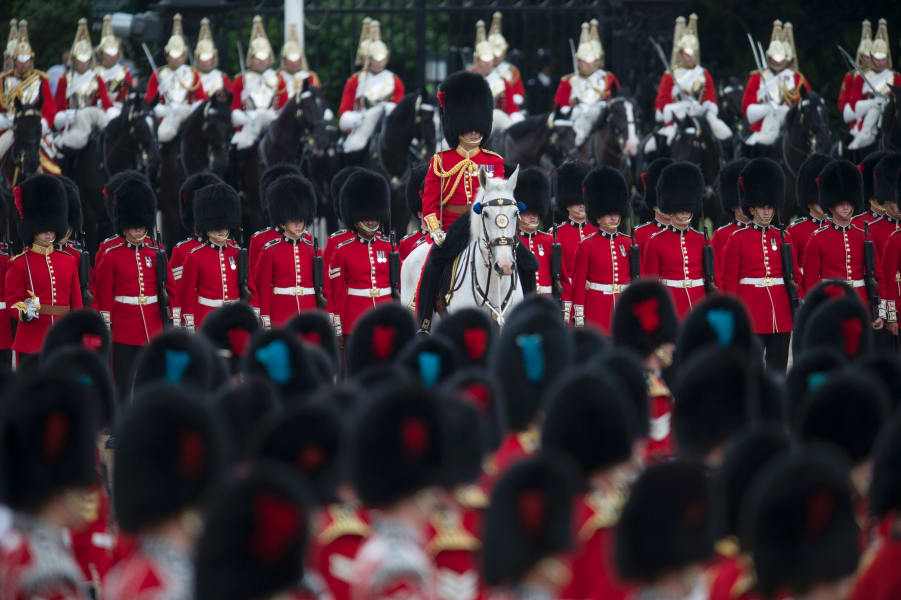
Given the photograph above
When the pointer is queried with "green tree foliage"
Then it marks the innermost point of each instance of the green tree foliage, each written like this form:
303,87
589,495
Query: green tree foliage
51,25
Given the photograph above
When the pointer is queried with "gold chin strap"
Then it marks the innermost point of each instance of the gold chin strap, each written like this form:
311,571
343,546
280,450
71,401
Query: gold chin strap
219,240
365,228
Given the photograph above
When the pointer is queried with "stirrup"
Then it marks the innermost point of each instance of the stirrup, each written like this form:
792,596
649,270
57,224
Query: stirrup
425,327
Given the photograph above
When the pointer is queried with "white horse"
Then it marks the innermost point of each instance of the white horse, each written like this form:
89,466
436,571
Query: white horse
483,275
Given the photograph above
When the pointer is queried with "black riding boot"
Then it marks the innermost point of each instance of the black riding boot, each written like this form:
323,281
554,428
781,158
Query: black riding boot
428,288
526,267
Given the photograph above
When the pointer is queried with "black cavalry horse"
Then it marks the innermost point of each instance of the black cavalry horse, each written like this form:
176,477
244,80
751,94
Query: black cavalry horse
534,141
202,143
24,157
694,142
729,96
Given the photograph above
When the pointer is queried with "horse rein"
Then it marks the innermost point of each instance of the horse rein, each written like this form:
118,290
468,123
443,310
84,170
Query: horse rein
489,244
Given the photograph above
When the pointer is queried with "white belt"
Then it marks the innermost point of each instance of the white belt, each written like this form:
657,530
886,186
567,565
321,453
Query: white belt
682,283
136,300
855,283
292,291
606,288
543,289
761,281
212,302
369,292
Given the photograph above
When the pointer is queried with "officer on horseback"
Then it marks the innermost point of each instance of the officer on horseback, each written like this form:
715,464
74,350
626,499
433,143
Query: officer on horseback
505,69
116,76
176,86
582,95
870,97
206,57
769,95
506,111
852,79
370,93
295,69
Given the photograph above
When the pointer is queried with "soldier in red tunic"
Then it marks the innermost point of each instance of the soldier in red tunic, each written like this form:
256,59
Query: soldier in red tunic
602,261
210,278
284,271
41,284
413,195
358,269
341,235
852,79
885,181
169,453
567,190
873,208
44,484
752,261
675,255
659,221
730,204
506,111
812,216
501,66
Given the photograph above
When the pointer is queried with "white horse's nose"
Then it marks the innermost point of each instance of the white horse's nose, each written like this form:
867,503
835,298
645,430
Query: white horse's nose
505,266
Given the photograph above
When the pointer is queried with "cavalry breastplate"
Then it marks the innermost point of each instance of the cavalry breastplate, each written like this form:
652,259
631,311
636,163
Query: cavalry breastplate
881,81
176,85
496,83
589,90
80,89
27,94
212,82
112,77
260,88
690,80
777,86
505,70
294,81
377,88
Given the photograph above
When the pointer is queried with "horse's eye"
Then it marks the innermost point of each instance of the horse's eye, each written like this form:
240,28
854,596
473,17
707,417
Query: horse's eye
501,221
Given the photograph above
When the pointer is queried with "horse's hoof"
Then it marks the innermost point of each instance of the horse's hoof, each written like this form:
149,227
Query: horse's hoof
423,332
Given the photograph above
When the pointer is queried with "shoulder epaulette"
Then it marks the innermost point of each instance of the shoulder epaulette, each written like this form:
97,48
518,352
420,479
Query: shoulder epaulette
721,227
184,241
256,233
590,235
823,228
605,509
567,77
271,243
193,250
492,153
307,240
114,246
655,234
339,232
472,496
344,243
409,235
798,220
111,238
18,255
853,226
344,522
382,238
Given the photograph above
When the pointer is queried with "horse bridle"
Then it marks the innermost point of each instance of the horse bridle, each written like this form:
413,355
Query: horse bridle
18,158
619,137
811,138
489,245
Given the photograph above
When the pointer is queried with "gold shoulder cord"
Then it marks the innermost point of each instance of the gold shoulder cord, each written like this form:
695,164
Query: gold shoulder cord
465,166
7,100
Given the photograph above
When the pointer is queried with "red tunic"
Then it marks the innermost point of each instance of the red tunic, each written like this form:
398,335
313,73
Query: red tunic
93,544
675,257
48,103
360,279
154,571
570,234
848,91
281,93
856,92
195,94
340,533
539,244
176,264
349,100
891,268
835,252
880,578
457,188
342,235
753,85
602,261
53,278
644,232
665,91
125,276
720,237
410,242
100,97
515,446
863,218
732,578
564,89
6,330
660,438
755,253
209,280
881,229
801,230
284,279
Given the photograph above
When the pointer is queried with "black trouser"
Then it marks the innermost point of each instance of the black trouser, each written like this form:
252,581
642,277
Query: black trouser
775,350
124,356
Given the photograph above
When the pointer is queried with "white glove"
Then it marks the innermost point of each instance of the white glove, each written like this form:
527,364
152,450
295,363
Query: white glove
565,110
695,109
189,322
328,115
5,121
63,118
567,311
848,114
161,110
388,107
112,112
711,108
350,120
757,112
516,117
762,95
438,236
239,118
45,127
672,108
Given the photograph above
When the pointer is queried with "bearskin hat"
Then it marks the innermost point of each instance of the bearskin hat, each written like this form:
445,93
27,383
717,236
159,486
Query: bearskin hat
727,184
761,183
809,371
291,198
529,519
278,355
335,186
649,180
308,440
48,427
588,344
269,176
885,365
134,205
113,183
644,318
365,195
229,329
745,457
680,188
466,105
806,181
41,205
92,372
414,188
186,195
255,537
534,191
431,359
885,177
217,206
625,365
843,324
169,452
590,418
715,389
867,170
465,453
720,320
665,524
799,522
379,337
531,351
73,199
605,193
480,388
885,486
398,446
177,357
471,330
840,181
84,328
314,327
847,411
822,292
241,407
568,179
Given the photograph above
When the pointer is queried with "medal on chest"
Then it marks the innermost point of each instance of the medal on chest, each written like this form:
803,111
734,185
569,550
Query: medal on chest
622,251
773,244
231,263
147,262
380,256
540,250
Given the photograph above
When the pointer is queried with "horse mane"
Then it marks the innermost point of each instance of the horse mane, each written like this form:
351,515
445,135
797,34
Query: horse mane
527,126
405,109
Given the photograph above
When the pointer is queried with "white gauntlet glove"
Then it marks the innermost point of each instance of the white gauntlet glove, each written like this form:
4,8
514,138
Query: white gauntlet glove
266,321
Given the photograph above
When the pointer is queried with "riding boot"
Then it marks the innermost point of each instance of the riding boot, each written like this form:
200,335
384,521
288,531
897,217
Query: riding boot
428,289
526,267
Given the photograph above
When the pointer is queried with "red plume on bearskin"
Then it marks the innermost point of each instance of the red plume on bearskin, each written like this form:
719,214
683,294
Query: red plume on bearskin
278,523
238,339
415,436
56,428
192,454
646,313
532,507
476,341
310,337
383,341
92,342
310,457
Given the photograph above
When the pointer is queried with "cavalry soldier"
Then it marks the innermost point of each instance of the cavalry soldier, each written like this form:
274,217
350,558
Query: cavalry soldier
413,195
206,56
506,112
533,191
869,98
295,69
176,87
41,284
30,87
358,268
813,217
769,95
283,274
659,221
602,261
506,70
874,208
851,81
689,89
210,276
126,284
674,255
82,102
116,76
731,205
257,94
752,262
370,93
582,95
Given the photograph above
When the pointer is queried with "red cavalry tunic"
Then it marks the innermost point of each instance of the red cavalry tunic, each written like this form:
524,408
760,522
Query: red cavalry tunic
349,100
209,280
127,292
564,89
570,234
100,97
452,182
284,279
601,275
753,85
48,103
360,279
752,270
835,252
720,237
676,258
514,446
53,277
342,531
410,242
848,92
880,579
539,243
195,94
891,268
281,93
801,230
665,91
